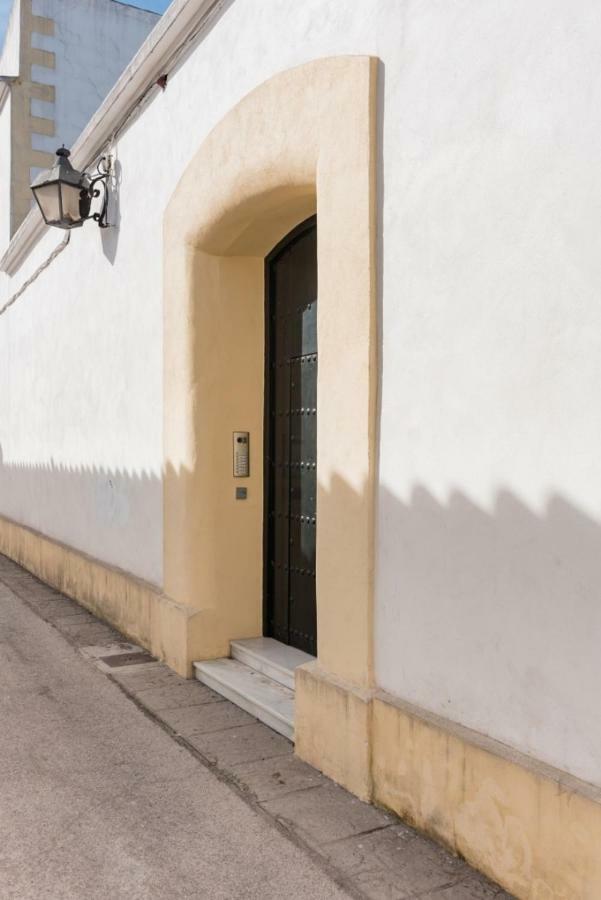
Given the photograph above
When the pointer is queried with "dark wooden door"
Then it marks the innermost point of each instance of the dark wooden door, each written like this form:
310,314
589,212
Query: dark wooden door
291,456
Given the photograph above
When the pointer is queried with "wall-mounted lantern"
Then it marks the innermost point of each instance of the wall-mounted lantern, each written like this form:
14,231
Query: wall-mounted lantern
65,195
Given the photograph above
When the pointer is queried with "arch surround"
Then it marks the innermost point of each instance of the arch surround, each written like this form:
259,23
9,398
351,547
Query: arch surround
302,142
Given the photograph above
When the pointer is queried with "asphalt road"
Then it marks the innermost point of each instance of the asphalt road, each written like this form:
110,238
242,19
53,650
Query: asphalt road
97,801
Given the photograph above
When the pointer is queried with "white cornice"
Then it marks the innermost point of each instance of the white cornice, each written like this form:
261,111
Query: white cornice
179,23
5,83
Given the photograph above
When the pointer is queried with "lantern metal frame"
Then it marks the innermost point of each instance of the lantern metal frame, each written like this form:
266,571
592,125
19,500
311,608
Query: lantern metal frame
101,176
90,185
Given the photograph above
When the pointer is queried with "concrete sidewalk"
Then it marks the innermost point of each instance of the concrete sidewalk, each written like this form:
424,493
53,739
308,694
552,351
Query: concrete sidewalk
128,781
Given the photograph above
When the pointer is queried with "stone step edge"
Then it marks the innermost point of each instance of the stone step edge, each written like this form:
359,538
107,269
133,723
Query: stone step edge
261,663
212,676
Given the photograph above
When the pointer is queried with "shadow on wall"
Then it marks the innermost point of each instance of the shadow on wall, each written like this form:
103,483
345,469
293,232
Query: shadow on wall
492,619
112,515
488,618
110,236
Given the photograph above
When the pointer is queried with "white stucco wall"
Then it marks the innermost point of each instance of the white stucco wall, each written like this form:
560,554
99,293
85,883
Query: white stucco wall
5,157
490,496
487,577
93,41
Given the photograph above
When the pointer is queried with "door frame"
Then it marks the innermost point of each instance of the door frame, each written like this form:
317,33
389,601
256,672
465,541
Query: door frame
287,241
239,194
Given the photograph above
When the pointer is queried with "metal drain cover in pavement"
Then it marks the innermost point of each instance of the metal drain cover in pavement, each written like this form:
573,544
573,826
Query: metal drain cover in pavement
126,659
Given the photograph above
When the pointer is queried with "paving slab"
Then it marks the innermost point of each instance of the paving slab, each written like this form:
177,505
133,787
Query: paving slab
395,863
268,779
40,595
29,588
74,618
326,813
116,656
80,635
51,609
148,676
472,888
176,696
214,716
238,745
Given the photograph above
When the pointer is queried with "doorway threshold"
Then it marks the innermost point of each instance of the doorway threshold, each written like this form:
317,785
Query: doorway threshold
258,676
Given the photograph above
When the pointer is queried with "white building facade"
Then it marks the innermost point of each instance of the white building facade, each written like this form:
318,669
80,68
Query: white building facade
448,152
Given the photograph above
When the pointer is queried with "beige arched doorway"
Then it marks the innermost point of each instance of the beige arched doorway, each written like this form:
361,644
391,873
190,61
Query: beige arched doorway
301,143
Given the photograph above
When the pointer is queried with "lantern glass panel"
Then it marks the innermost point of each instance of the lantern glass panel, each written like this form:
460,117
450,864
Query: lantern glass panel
71,209
47,196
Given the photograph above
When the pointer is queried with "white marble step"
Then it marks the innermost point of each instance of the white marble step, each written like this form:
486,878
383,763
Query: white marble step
266,655
263,698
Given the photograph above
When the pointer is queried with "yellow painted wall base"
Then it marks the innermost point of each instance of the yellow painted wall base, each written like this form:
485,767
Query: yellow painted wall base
169,630
332,728
531,828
